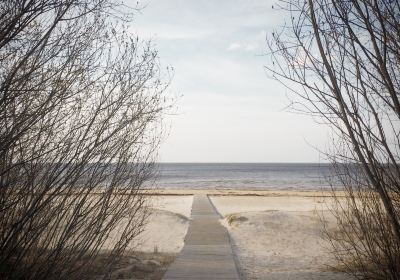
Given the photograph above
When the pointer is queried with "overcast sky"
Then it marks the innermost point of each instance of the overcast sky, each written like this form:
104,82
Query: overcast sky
230,110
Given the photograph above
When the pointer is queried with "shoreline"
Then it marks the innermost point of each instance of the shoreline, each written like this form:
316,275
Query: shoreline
241,192
209,192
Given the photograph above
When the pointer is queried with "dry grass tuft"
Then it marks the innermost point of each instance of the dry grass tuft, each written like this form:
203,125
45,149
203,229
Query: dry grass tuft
233,218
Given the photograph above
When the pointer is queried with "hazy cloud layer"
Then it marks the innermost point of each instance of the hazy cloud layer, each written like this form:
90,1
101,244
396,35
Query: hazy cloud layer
230,109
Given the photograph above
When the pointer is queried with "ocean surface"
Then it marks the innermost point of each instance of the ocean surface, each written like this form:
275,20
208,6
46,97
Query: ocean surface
251,176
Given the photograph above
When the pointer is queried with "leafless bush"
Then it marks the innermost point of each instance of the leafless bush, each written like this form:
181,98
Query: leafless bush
80,107
342,61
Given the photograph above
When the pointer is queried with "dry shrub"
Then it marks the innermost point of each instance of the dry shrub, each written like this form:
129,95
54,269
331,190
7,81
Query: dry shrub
341,61
363,241
81,100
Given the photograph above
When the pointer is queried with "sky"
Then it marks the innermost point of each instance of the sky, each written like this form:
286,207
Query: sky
228,109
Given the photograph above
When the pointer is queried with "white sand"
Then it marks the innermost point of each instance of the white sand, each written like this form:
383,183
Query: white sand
274,236
277,237
179,204
167,225
236,204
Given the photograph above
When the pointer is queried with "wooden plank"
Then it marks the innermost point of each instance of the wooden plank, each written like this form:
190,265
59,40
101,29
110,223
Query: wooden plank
207,253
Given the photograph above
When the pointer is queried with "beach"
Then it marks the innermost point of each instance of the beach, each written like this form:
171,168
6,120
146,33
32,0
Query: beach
274,234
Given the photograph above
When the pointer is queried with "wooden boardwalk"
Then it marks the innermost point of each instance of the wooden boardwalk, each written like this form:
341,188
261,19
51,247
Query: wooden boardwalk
207,253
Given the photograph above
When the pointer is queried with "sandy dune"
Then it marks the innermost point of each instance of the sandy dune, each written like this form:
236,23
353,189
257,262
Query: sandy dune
274,235
236,204
179,204
277,237
167,226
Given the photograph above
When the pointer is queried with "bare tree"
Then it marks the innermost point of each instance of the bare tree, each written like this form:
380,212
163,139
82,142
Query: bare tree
342,59
81,102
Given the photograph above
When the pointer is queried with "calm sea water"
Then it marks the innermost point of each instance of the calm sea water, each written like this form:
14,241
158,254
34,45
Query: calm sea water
301,176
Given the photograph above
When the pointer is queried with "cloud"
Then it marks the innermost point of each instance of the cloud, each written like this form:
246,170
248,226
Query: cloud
171,32
230,110
250,47
221,75
234,46
240,46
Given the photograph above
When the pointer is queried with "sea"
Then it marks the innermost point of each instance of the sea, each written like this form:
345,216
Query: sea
246,176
